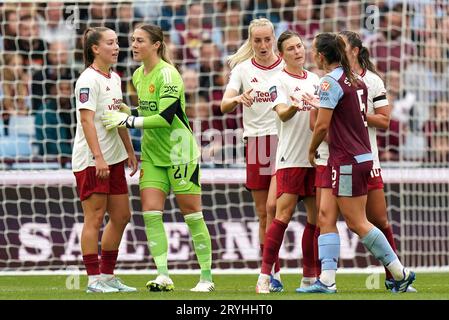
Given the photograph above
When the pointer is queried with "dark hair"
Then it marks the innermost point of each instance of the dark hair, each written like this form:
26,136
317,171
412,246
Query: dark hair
91,37
287,34
332,47
156,34
363,56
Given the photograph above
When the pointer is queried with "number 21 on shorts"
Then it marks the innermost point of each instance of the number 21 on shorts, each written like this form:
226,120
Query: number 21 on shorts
180,171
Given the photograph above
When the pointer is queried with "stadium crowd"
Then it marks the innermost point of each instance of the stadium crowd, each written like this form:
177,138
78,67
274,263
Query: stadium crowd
41,58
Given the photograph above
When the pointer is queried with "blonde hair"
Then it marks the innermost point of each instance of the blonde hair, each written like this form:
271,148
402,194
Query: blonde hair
246,50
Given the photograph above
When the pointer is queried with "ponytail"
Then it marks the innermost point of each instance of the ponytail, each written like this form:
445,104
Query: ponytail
243,53
345,62
163,53
365,61
246,51
91,37
363,58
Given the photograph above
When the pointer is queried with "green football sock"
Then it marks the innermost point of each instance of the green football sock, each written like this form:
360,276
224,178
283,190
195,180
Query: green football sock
201,243
156,239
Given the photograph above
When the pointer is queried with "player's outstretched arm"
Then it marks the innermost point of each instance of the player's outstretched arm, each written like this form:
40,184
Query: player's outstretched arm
231,99
286,112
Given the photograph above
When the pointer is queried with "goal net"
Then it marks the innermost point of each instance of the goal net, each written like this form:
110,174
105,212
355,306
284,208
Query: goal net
40,212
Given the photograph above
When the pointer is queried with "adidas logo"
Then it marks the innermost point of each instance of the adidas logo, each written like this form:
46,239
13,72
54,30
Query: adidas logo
152,243
254,79
297,89
107,88
282,159
182,182
201,246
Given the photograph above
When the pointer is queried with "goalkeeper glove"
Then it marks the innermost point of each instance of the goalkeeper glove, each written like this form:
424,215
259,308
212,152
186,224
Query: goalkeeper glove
114,119
125,109
129,111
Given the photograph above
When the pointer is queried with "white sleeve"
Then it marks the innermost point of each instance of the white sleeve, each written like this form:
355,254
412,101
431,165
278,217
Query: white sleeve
235,80
379,94
279,94
86,94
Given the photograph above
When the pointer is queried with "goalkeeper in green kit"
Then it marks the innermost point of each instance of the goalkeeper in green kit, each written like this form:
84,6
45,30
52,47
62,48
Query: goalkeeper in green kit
169,154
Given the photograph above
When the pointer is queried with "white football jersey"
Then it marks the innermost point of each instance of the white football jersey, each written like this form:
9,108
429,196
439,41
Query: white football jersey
377,97
98,92
258,119
294,134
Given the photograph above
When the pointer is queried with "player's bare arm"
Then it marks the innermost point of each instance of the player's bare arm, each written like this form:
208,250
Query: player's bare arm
320,131
380,119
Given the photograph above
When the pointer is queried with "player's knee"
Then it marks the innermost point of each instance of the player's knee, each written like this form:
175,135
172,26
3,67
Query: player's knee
358,227
323,219
95,221
271,208
263,221
122,219
379,222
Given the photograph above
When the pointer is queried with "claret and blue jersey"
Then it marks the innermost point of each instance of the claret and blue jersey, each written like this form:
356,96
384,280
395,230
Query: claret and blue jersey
349,141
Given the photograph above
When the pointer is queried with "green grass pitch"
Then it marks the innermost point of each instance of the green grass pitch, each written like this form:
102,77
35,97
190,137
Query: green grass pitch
430,286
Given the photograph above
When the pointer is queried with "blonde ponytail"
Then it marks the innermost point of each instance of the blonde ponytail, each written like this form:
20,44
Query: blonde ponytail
246,51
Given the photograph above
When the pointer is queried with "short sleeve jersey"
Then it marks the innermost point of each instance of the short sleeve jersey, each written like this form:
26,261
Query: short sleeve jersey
294,134
377,98
349,142
97,91
161,92
258,119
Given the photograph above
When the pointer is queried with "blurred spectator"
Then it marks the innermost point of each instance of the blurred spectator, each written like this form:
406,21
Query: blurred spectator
232,33
389,47
444,28
54,122
332,16
53,26
304,22
30,46
357,21
10,26
101,14
191,80
273,10
210,63
437,134
388,141
427,78
148,10
209,139
172,15
124,27
190,35
57,67
15,87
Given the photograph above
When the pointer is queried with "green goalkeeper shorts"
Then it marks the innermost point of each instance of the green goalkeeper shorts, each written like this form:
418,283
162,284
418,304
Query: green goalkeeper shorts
182,179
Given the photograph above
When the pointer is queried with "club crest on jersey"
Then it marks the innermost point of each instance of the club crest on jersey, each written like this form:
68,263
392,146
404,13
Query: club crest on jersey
325,86
84,95
151,88
273,93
